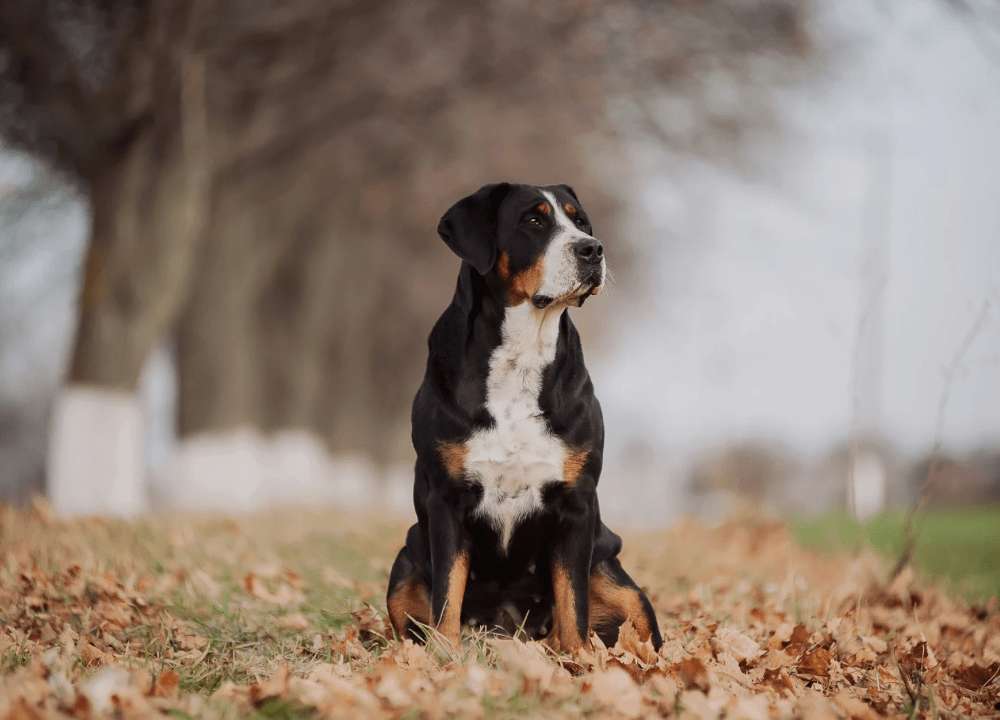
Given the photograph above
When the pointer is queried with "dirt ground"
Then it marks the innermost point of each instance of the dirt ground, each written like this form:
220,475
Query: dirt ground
282,616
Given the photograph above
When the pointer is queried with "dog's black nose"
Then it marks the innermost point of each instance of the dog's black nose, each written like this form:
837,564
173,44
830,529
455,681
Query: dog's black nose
589,250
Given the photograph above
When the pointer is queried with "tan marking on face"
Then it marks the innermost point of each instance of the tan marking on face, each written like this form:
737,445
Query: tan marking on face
570,210
526,283
573,465
544,208
612,602
453,458
565,634
451,617
409,600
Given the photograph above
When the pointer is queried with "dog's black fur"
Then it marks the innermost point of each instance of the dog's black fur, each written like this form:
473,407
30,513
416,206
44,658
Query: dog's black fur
560,576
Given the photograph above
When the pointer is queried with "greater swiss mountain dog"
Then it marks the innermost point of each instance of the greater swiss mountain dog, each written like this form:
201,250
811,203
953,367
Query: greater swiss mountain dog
509,438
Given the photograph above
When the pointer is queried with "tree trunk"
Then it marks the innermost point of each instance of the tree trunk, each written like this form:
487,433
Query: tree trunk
147,204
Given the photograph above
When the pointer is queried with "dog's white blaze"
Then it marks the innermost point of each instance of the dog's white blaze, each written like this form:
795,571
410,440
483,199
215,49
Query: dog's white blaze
560,269
518,456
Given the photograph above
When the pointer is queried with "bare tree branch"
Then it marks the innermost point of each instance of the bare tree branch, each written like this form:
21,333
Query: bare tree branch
910,532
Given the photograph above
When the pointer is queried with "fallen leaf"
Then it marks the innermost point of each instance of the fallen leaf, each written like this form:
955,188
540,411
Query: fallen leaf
614,689
391,689
798,641
284,595
101,689
166,684
667,689
694,704
875,643
975,677
692,673
740,646
813,706
748,708
777,659
853,707
275,686
628,641
779,680
91,655
816,663
528,659
293,621
783,633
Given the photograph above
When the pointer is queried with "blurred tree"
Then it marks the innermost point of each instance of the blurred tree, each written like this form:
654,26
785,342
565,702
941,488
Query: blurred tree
750,474
264,177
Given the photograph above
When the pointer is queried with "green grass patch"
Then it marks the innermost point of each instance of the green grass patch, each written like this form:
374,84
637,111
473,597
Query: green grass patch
278,709
960,546
13,659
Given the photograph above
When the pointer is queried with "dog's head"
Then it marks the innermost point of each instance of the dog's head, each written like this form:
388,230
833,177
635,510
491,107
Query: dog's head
537,241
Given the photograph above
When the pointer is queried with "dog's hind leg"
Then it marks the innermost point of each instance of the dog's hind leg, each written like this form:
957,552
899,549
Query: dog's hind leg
408,599
615,598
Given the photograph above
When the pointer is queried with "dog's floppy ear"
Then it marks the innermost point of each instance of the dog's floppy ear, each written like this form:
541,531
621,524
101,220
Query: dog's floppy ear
469,227
570,190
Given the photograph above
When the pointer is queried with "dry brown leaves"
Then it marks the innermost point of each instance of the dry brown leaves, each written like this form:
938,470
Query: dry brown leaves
754,628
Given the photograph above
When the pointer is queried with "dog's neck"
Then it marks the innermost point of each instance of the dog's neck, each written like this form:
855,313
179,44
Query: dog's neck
526,329
522,326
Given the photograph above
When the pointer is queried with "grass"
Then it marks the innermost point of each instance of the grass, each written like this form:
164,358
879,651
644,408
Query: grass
281,615
318,568
279,709
959,546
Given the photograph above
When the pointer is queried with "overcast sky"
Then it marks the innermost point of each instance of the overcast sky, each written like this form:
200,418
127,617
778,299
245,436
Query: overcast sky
752,328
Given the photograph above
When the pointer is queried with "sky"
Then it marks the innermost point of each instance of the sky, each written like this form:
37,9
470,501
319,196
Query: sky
751,325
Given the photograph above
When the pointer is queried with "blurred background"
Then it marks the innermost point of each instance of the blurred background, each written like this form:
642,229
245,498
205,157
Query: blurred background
218,264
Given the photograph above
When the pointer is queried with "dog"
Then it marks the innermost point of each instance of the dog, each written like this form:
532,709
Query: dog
509,439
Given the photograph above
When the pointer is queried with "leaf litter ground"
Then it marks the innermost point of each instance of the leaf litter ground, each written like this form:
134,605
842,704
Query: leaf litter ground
282,615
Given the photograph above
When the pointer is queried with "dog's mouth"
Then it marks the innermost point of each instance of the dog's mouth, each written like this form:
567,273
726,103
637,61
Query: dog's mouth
588,289
590,284
577,296
592,289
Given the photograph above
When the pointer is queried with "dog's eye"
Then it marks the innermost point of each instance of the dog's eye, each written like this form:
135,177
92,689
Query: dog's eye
580,222
534,221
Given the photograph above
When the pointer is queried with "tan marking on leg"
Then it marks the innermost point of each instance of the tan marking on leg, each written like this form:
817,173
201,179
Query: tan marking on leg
410,599
573,465
526,283
450,624
564,629
453,458
611,601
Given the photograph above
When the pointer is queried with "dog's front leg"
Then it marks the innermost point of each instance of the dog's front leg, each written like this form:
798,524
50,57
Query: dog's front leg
449,567
571,555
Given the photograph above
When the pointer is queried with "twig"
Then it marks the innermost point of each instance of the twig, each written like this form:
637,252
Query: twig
914,697
950,370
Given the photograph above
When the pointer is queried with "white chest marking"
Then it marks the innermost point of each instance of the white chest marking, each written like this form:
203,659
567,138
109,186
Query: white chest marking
518,456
